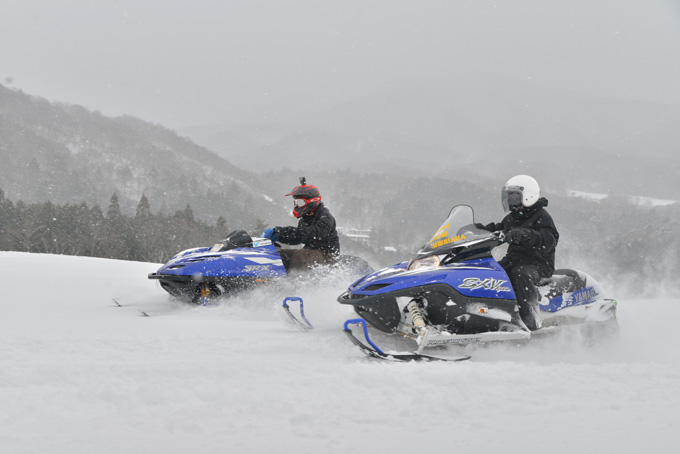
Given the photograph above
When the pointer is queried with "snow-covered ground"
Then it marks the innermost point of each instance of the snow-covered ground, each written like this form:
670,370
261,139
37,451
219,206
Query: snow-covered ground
635,200
81,375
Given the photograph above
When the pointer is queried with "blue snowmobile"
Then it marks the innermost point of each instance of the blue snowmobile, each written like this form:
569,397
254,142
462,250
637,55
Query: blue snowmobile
454,293
237,263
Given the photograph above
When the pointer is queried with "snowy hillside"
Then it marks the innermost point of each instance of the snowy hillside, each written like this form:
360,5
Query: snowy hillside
81,375
635,200
68,154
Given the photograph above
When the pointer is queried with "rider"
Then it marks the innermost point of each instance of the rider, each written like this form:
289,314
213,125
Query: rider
532,237
316,230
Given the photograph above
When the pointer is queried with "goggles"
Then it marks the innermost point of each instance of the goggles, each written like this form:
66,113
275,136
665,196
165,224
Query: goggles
299,203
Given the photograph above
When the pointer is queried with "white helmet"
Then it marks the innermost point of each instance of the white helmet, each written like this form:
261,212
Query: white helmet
520,190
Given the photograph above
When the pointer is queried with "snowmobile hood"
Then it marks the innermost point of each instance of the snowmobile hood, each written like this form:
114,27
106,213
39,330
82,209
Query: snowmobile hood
262,259
458,255
482,278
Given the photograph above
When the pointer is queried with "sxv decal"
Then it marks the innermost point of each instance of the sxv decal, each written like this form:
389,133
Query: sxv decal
474,283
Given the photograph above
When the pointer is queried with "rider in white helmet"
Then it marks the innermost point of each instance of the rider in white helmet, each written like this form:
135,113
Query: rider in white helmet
532,237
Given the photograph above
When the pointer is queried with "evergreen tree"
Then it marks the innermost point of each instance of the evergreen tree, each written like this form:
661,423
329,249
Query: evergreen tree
187,214
96,221
144,228
113,213
117,242
28,231
221,227
143,209
6,217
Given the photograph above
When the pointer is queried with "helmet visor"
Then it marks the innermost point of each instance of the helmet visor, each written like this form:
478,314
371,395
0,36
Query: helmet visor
512,197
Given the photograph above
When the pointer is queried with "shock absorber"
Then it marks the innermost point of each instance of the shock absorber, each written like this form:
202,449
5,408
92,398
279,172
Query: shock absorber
416,314
205,294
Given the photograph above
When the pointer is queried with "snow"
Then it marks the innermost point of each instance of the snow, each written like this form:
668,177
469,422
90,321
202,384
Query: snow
80,375
651,202
587,195
635,200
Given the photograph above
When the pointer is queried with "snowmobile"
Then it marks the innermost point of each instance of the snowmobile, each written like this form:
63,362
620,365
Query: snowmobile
454,293
236,263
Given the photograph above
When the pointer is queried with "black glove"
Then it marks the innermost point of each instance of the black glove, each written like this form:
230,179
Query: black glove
284,230
285,234
517,236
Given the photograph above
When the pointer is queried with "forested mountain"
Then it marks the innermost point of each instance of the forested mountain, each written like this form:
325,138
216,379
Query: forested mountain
67,154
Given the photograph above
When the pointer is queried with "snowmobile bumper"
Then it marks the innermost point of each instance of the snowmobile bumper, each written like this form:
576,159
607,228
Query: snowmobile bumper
189,287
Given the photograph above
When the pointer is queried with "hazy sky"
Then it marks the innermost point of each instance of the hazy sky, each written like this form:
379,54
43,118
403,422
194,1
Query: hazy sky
182,63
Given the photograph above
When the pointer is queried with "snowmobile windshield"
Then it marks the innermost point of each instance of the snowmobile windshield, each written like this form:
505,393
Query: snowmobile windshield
458,230
236,239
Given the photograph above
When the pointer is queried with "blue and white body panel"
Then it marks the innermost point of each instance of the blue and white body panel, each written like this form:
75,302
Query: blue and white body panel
584,301
481,278
195,273
249,262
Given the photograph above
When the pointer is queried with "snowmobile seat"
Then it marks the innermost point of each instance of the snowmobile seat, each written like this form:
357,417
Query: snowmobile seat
563,281
544,281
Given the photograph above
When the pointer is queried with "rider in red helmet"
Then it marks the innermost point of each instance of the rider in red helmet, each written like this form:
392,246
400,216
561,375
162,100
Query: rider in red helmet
306,199
316,228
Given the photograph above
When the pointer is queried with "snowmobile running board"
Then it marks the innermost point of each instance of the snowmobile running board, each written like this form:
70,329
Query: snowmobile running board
303,326
374,351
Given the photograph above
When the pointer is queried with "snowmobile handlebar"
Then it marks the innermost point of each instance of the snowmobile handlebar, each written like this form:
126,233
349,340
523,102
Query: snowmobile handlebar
499,235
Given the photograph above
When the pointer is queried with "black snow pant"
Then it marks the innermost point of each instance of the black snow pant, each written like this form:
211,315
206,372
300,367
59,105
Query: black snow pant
303,260
524,279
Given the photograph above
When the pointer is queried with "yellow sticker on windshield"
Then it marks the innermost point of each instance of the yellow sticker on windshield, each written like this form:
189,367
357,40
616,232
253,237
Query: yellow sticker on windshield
440,243
441,233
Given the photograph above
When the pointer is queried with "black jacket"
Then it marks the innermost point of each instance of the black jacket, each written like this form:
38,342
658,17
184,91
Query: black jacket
315,231
538,246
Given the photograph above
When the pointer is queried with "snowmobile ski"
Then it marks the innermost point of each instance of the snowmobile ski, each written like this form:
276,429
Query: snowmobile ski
303,326
141,312
374,351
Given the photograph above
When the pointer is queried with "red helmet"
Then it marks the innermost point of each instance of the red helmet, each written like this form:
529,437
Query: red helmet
306,198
